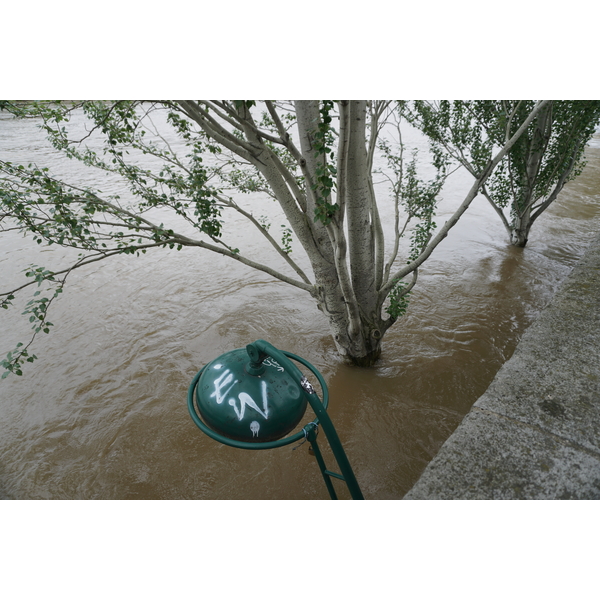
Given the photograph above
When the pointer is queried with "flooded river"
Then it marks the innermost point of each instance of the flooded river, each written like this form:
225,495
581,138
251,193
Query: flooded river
102,413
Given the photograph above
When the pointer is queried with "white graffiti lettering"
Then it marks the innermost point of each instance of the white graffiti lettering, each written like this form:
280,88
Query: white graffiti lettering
254,428
220,383
271,362
247,400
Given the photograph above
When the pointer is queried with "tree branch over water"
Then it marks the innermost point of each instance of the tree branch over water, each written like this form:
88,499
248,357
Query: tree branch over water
316,159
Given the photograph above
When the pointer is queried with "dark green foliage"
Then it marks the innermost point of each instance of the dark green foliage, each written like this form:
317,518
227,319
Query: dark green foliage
181,186
286,239
536,167
418,197
550,152
398,300
326,172
37,309
59,213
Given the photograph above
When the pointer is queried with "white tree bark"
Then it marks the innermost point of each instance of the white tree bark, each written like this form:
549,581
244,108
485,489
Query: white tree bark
351,282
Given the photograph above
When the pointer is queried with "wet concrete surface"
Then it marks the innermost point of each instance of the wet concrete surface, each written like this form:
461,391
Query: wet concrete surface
535,432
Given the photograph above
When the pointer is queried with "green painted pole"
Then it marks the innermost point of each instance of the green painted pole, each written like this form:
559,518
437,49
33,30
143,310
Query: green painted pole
336,446
322,416
311,436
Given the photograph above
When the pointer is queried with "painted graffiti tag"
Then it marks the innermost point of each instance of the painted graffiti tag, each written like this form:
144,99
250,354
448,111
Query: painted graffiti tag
247,400
223,386
271,362
220,383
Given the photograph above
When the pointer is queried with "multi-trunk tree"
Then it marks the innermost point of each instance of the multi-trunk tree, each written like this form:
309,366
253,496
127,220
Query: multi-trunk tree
315,158
533,171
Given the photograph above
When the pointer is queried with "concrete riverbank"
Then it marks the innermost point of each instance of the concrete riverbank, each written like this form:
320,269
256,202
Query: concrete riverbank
535,432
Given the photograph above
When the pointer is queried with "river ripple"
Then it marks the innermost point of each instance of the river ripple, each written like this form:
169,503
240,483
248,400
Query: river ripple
102,413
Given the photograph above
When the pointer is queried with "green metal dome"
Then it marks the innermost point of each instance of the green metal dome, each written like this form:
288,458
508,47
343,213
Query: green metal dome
247,400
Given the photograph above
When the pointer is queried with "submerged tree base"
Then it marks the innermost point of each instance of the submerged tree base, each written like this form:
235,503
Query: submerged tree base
365,361
519,239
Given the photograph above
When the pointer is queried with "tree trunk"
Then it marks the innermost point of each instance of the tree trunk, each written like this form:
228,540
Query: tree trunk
537,145
519,228
344,268
358,341
519,236
361,350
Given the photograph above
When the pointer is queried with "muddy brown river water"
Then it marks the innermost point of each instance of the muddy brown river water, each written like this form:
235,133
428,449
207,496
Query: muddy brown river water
102,413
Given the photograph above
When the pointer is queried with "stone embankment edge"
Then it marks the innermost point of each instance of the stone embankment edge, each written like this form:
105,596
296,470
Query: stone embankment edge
535,432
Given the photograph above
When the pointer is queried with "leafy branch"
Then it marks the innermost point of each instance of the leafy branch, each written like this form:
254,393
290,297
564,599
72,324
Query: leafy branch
37,308
398,299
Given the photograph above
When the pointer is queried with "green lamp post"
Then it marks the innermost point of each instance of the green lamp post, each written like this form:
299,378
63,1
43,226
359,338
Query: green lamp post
251,398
